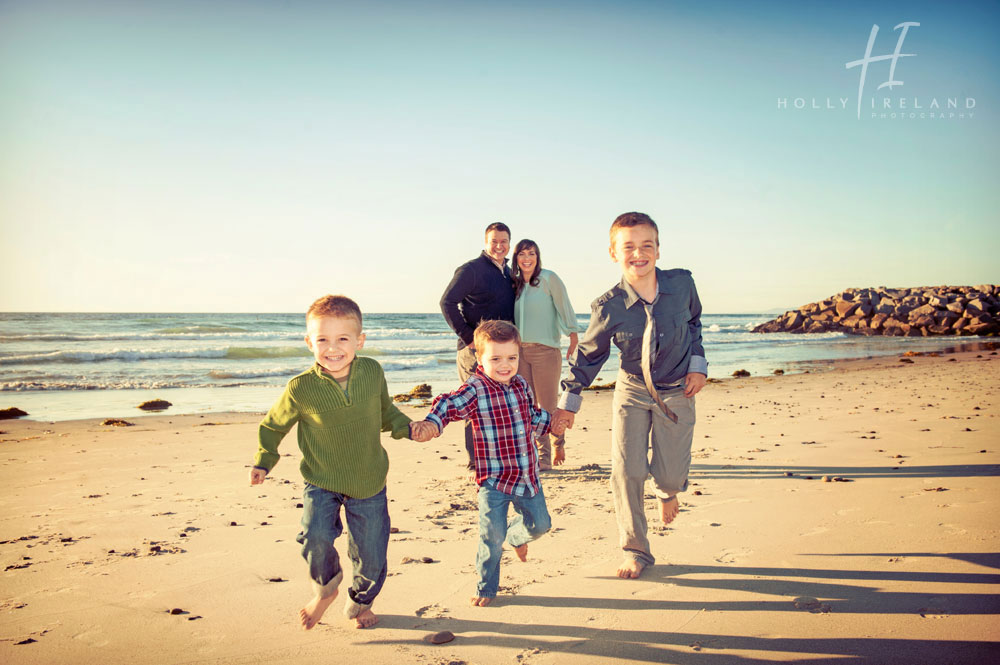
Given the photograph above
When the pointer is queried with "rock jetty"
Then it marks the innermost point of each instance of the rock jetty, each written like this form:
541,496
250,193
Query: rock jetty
911,312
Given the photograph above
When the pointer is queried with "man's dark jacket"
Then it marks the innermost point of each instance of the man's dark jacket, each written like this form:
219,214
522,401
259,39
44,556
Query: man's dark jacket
477,292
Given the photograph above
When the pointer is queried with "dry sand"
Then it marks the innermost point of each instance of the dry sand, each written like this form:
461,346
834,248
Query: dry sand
106,529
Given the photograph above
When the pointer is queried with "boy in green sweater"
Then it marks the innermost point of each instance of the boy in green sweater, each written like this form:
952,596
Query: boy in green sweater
340,405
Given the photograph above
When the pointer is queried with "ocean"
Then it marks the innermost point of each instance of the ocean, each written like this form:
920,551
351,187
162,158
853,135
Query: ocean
68,366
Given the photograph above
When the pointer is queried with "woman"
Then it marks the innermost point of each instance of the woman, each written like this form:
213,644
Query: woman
543,313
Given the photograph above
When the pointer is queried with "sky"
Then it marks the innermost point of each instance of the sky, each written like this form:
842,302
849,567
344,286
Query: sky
250,156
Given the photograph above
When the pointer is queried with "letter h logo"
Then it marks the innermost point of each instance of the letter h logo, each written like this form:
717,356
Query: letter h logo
894,56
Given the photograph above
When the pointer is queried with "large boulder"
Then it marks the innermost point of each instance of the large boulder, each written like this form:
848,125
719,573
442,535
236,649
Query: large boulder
923,310
846,307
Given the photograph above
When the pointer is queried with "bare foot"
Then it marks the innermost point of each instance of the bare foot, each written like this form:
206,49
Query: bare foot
669,509
522,552
560,455
313,612
479,601
366,619
630,569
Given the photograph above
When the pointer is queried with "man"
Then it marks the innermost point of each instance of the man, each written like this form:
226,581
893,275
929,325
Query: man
480,290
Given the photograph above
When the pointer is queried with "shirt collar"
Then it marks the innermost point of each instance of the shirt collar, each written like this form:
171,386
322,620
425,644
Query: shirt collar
318,369
500,266
631,297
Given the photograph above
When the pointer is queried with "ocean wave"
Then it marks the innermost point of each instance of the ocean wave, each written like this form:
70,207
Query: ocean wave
745,327
119,384
409,363
39,386
776,340
200,329
116,354
253,373
133,355
404,351
253,352
142,337
415,333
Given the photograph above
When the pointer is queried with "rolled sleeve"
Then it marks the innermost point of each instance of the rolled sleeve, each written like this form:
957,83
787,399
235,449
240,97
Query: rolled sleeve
570,401
698,365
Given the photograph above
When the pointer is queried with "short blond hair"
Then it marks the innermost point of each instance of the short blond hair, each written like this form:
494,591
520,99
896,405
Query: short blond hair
494,331
340,307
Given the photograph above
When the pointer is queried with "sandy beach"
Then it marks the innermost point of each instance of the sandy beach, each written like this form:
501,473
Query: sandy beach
844,515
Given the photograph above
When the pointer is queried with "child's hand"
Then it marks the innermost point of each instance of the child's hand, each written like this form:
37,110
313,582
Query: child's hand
257,475
562,420
423,431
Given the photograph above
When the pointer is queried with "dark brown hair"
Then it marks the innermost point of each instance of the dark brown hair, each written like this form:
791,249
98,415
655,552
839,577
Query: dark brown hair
497,226
494,331
515,269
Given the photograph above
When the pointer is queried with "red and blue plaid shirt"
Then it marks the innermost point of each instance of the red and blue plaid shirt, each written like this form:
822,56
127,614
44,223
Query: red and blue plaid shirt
505,423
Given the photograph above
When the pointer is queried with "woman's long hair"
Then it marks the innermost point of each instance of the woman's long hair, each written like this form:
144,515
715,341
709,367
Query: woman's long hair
515,271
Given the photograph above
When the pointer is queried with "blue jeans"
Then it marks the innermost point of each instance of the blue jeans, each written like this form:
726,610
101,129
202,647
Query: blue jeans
367,541
530,521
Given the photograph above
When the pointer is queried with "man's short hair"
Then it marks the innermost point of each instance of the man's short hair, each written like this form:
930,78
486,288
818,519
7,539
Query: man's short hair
497,226
340,307
494,331
630,219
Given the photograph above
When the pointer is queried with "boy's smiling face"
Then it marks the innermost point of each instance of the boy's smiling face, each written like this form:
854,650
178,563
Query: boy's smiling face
334,341
499,360
636,249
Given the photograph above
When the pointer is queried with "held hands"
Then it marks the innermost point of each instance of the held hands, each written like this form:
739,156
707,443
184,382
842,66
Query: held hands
257,475
693,383
423,431
561,421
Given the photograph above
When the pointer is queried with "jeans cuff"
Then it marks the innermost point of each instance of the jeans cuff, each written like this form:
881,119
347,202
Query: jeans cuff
353,609
330,588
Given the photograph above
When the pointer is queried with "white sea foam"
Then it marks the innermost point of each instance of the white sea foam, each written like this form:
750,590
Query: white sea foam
253,373
142,337
121,384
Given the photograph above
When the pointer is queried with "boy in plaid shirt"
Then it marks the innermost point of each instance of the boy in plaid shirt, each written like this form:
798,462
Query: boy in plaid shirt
500,406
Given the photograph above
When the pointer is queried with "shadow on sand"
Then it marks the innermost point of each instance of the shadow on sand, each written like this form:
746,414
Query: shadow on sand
784,584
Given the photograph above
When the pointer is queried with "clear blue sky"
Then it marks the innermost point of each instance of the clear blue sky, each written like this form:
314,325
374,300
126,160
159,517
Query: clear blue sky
250,156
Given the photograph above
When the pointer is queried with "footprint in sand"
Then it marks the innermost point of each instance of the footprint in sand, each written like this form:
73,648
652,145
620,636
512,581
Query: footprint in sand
432,611
935,609
811,605
733,555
